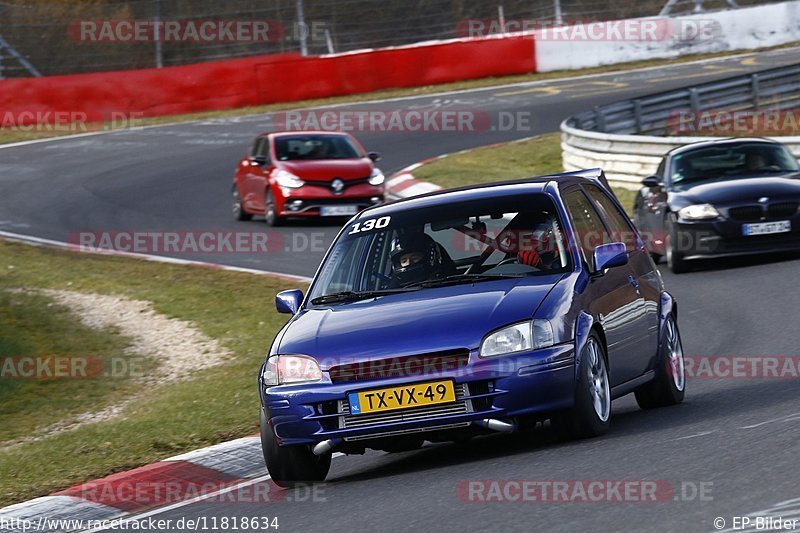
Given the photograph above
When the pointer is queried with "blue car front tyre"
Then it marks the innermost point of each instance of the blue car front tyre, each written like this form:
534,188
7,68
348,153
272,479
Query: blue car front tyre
590,415
290,466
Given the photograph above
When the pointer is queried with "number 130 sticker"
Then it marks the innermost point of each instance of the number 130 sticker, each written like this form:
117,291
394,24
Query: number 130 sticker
369,225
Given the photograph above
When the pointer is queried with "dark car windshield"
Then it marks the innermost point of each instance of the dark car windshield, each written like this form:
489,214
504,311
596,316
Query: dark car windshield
742,160
315,147
465,242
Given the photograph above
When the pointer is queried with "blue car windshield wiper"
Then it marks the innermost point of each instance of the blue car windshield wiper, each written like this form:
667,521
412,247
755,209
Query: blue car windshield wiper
351,296
463,278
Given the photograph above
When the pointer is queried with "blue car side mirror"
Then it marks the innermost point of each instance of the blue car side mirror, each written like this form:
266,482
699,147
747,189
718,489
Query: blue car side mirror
610,255
289,301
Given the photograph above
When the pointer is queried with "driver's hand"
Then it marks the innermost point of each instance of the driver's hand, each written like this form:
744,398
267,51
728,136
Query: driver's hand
529,257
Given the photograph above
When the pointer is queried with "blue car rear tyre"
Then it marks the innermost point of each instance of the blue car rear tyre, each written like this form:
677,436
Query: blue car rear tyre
669,385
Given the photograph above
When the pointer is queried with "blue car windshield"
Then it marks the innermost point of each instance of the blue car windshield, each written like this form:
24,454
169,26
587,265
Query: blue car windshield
472,241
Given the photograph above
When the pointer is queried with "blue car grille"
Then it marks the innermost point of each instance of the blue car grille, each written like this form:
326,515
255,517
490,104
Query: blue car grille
406,366
460,406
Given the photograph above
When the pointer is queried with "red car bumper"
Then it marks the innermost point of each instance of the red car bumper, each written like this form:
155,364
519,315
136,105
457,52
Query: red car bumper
314,201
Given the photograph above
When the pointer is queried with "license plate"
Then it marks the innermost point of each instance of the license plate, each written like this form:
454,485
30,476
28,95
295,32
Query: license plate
338,210
767,228
404,397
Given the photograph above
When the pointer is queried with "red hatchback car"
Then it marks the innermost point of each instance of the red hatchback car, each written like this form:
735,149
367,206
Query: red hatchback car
306,174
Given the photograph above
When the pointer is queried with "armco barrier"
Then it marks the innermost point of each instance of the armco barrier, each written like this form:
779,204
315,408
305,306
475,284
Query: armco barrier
620,138
265,79
627,159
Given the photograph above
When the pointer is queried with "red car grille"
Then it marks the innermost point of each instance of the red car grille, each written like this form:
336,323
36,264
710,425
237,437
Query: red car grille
406,366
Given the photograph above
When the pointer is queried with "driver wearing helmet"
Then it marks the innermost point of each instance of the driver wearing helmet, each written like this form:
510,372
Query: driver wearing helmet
539,248
416,258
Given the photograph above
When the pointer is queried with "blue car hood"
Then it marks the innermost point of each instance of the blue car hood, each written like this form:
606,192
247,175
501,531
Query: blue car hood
429,320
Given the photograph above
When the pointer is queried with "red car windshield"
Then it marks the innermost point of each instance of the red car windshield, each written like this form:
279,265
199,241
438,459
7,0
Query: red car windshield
315,147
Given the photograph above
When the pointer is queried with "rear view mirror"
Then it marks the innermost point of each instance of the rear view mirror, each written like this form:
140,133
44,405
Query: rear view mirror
289,301
375,156
652,182
259,160
610,255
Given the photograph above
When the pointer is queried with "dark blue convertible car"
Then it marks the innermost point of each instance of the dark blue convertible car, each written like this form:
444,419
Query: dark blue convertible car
466,312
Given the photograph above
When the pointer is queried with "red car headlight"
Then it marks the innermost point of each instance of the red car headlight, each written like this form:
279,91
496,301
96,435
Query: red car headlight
377,177
284,178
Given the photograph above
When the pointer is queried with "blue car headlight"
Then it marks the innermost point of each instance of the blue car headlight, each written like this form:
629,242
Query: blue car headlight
525,336
290,370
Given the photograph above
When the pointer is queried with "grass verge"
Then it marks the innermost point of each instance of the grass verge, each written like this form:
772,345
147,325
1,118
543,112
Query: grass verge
65,382
519,159
217,404
8,135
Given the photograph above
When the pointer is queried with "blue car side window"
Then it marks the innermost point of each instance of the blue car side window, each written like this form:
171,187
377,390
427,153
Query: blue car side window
589,231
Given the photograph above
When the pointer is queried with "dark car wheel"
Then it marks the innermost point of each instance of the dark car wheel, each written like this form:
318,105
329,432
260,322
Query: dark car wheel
669,385
238,209
270,213
291,465
675,259
592,411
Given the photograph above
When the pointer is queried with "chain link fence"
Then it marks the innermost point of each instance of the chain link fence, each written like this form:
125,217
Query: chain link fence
50,37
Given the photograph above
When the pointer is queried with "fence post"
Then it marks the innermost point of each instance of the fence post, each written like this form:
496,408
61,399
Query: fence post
637,115
600,118
558,14
301,28
694,99
756,88
157,36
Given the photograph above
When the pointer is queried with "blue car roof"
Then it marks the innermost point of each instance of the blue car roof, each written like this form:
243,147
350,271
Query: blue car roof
487,190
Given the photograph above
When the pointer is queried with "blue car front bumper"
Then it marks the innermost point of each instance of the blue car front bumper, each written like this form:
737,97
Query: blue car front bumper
507,387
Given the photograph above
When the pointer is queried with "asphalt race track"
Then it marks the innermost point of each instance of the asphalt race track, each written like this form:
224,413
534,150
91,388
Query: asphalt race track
736,439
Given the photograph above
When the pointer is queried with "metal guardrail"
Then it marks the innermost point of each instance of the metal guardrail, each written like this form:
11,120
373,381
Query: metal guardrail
775,89
629,138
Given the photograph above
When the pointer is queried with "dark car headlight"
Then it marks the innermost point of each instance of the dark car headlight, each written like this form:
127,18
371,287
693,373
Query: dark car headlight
699,212
521,337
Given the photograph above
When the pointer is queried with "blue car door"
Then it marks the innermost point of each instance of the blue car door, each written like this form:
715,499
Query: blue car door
615,300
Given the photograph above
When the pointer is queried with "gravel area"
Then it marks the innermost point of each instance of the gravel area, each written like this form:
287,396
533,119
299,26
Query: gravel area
177,347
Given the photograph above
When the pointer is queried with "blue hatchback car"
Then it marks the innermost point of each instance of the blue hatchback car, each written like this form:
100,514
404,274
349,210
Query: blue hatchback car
465,312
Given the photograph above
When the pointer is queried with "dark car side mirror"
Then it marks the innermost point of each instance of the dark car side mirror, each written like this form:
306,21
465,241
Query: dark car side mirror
610,255
652,182
289,301
259,160
375,156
